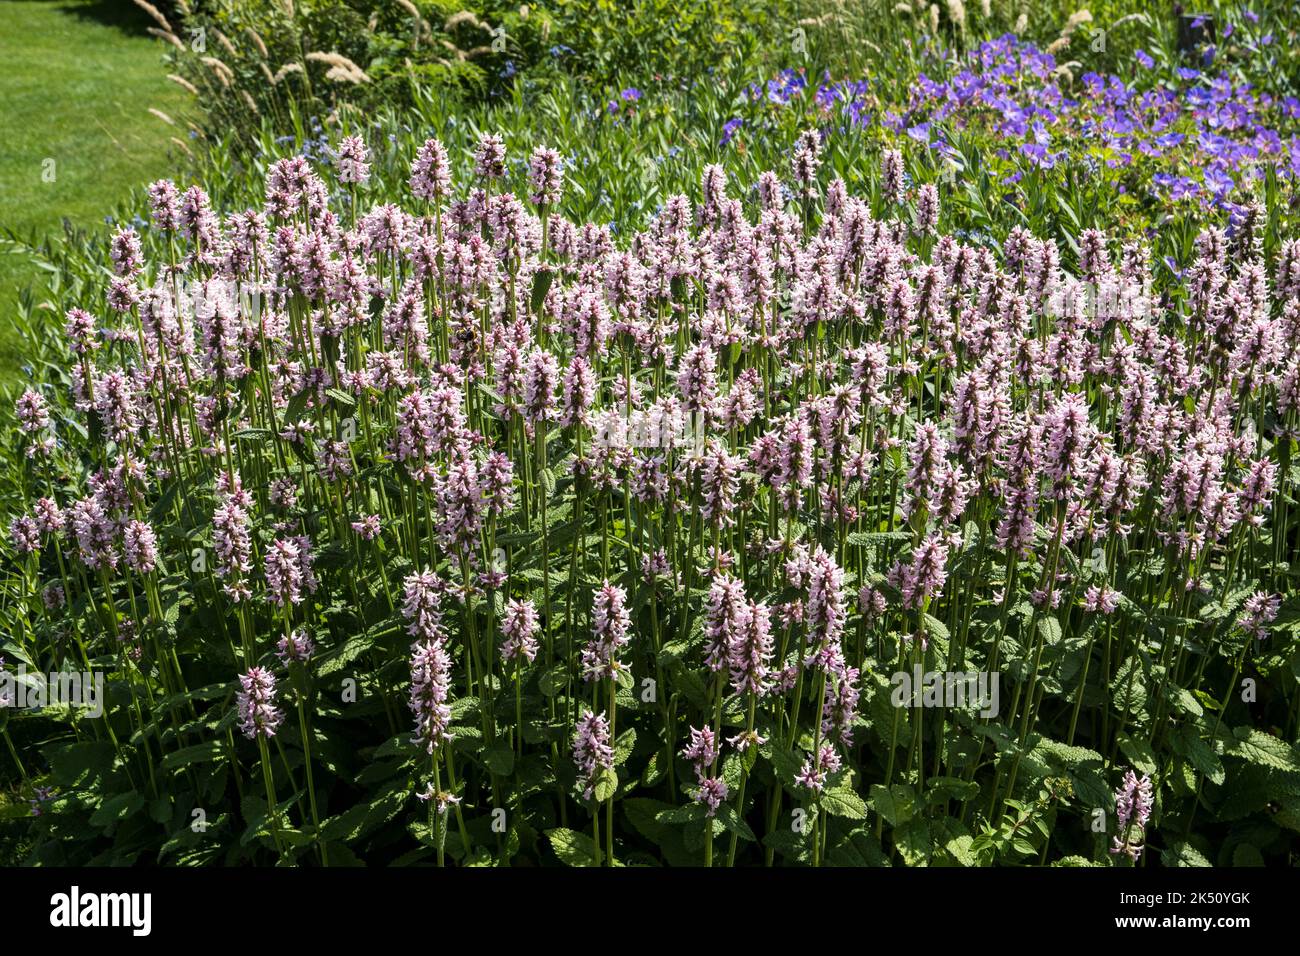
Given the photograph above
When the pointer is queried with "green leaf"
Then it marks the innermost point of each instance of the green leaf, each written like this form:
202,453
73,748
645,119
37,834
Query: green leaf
896,803
937,630
198,753
1183,700
1187,743
1247,855
642,813
1139,754
1263,749
783,760
297,406
732,821
606,785
790,844
361,819
863,538
692,686
164,503
541,285
553,680
942,789
858,848
573,848
1129,693
118,808
912,841
160,810
1049,628
336,660
843,802
499,759
1183,854
687,813
623,746
341,397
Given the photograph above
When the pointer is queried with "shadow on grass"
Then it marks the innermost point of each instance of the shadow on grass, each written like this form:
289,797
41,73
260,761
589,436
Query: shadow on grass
120,14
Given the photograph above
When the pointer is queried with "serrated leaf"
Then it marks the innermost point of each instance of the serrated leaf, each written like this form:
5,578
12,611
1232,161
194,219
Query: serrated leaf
1264,749
912,840
341,397
896,803
1139,754
1183,854
1187,743
846,803
732,821
606,785
573,848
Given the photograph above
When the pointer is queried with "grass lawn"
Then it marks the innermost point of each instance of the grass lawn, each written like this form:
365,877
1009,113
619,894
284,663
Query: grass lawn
79,78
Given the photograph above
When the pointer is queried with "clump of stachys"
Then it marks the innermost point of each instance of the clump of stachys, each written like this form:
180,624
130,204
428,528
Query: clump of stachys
547,495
